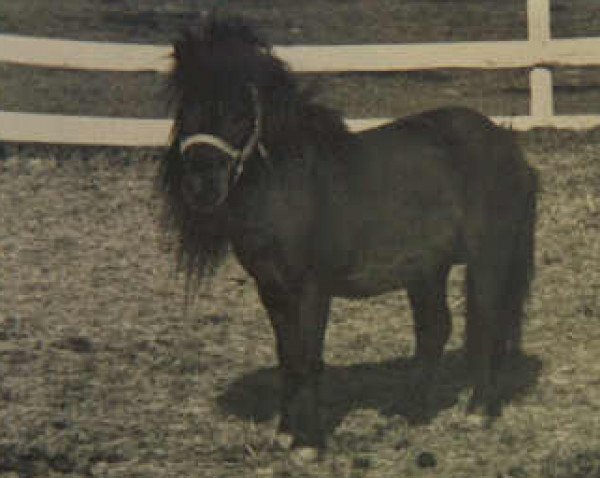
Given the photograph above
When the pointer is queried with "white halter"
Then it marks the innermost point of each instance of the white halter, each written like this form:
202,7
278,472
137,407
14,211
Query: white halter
239,156
211,140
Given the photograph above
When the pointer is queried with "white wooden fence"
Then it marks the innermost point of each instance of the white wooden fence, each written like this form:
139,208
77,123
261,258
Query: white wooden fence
538,52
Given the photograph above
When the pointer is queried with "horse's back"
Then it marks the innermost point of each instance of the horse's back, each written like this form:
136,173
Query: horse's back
416,191
480,160
497,186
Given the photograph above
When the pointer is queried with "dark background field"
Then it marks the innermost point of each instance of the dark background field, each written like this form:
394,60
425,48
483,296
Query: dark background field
308,22
102,375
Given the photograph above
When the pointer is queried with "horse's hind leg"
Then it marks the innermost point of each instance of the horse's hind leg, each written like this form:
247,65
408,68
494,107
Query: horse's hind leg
497,288
485,334
520,274
432,322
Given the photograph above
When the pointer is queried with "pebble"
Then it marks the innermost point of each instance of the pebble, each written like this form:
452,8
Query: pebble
362,462
426,459
304,455
402,444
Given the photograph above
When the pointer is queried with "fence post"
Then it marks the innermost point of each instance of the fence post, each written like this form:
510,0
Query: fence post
538,20
540,79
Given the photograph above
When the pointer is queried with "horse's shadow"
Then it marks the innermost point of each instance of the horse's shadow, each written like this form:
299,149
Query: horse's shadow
388,387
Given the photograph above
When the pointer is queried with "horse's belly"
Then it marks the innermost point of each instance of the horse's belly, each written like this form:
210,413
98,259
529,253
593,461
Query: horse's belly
357,286
375,275
393,257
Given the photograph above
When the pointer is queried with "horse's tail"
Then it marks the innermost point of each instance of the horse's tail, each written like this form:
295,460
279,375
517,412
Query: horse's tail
522,263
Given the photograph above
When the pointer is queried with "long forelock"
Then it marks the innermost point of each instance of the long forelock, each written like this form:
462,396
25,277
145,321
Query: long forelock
231,49
224,49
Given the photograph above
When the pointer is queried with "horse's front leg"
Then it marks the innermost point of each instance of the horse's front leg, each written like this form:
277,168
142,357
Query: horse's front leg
299,320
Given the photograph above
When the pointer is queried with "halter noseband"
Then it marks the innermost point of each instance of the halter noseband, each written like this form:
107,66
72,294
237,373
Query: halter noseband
239,156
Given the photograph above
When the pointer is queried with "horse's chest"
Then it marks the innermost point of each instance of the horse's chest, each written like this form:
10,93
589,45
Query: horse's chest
274,247
261,255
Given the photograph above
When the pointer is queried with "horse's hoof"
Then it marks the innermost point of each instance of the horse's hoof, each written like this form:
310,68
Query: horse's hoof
476,421
283,441
494,409
304,455
489,409
476,403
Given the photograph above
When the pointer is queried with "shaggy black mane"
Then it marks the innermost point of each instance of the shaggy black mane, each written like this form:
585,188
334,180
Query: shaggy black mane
224,58
220,61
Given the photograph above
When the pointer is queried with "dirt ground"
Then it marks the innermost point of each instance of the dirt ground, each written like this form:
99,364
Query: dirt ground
103,375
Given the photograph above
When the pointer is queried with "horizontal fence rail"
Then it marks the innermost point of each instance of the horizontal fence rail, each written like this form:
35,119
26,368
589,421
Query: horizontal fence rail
106,131
86,55
538,53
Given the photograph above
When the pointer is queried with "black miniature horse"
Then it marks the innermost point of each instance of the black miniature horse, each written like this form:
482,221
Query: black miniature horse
313,211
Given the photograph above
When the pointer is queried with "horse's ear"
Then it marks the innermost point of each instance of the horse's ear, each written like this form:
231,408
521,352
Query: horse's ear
181,47
178,51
